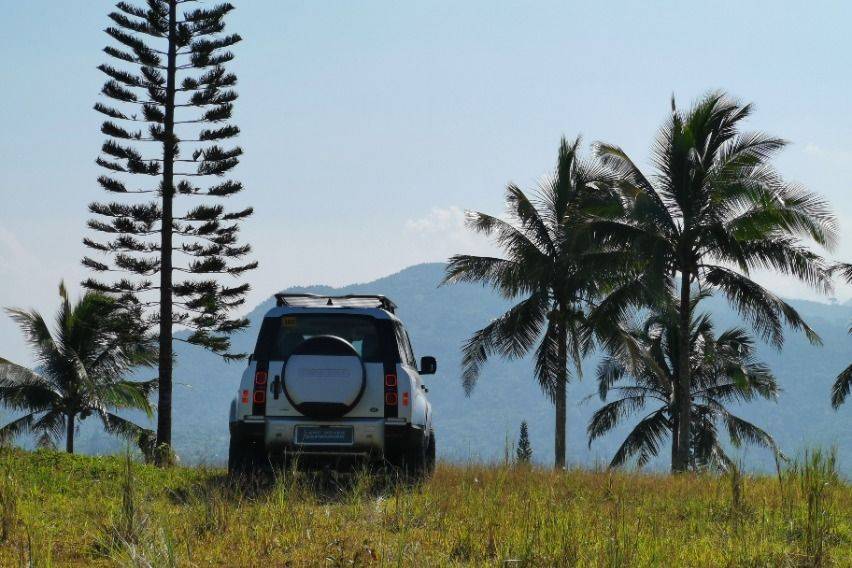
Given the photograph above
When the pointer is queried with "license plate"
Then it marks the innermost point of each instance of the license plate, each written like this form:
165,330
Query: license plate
324,435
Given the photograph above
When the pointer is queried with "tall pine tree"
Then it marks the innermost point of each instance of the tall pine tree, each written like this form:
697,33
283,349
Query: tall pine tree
169,248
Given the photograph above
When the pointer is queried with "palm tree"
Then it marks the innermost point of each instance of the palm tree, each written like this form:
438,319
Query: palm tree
541,266
843,385
714,211
723,370
80,372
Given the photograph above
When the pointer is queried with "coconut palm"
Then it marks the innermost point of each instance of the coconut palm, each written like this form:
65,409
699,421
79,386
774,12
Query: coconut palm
714,211
723,370
541,269
843,385
80,371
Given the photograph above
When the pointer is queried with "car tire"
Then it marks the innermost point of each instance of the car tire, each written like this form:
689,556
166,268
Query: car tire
414,461
430,454
244,458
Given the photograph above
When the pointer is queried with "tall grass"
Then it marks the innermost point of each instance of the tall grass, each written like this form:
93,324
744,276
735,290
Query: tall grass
77,510
8,505
818,480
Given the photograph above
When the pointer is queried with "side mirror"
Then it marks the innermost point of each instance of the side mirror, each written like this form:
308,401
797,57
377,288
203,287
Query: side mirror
428,365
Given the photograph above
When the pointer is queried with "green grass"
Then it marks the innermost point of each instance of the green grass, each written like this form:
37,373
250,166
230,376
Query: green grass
59,510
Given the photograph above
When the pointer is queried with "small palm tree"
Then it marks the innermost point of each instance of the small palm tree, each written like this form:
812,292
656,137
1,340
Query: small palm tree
723,370
80,372
714,211
843,385
542,267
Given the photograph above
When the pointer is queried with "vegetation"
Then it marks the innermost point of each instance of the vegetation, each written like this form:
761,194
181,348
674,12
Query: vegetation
77,510
843,385
81,371
524,452
171,62
542,267
723,370
713,211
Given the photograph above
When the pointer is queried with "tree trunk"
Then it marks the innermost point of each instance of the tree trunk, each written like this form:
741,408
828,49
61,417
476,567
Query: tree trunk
69,434
674,438
683,396
164,407
560,396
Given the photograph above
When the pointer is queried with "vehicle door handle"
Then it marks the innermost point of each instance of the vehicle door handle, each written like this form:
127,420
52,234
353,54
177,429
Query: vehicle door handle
276,387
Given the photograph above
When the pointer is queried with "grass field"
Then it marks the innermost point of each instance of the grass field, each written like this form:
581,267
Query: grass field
59,510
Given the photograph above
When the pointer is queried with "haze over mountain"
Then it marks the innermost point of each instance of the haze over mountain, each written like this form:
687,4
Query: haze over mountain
482,426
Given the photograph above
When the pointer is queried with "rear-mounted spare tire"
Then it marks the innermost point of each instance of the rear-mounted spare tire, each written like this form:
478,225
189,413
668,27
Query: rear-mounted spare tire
324,377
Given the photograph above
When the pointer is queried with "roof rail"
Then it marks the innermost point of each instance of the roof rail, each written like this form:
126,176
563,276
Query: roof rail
299,300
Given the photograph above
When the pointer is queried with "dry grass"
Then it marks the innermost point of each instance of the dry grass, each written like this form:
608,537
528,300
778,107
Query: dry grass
57,510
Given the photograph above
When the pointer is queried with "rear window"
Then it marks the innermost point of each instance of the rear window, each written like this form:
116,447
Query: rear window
279,336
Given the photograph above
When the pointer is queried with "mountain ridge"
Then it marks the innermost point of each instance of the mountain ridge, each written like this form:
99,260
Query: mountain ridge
484,425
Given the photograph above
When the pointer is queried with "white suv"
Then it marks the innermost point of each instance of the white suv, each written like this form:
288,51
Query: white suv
333,379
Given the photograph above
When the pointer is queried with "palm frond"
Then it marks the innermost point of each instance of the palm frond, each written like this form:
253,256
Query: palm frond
841,388
22,389
128,394
513,240
643,441
124,428
503,275
740,431
608,416
766,312
511,335
37,333
523,209
16,428
844,270
51,425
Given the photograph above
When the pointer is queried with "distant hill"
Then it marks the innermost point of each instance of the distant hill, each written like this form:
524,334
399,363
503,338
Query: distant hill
480,427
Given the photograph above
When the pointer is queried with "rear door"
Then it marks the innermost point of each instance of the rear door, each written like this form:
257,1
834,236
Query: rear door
365,333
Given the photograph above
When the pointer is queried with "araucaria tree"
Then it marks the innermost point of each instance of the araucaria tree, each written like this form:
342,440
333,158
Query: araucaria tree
714,211
168,114
541,269
524,452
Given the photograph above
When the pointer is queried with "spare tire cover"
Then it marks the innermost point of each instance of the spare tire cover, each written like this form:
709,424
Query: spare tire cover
324,377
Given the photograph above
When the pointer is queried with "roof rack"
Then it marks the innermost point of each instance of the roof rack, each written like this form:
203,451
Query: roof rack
348,301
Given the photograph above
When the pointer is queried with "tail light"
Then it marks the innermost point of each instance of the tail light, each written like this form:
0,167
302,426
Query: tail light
405,399
391,399
245,397
259,396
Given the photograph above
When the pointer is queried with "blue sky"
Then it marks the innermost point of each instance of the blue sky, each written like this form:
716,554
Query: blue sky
370,126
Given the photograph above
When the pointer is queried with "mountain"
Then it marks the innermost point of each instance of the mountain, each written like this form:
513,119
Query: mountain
485,424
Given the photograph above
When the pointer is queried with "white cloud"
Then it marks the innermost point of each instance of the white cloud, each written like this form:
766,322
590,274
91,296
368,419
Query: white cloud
442,233
438,220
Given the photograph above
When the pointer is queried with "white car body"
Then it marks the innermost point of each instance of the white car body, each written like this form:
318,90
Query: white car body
352,390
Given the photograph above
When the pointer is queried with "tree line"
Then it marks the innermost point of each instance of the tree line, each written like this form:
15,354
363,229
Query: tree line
168,253
604,255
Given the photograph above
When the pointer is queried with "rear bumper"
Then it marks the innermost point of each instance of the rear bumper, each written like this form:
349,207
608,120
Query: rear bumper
368,436
371,436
